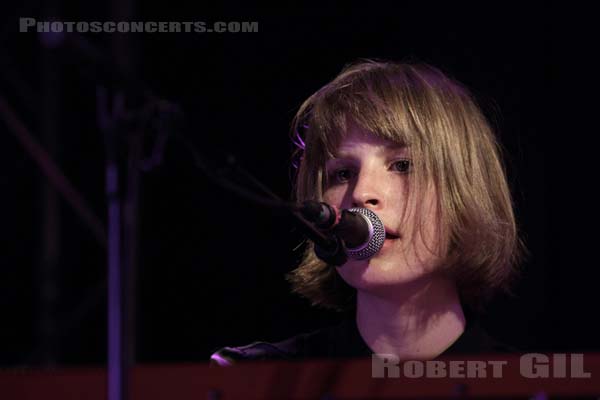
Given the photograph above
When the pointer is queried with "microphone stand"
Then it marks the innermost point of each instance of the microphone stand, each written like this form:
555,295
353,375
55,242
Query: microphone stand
329,248
119,126
122,239
114,122
123,222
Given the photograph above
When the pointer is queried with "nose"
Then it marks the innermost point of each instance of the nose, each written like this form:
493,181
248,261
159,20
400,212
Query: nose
367,192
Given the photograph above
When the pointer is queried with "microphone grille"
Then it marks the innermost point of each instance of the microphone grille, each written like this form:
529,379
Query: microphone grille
376,235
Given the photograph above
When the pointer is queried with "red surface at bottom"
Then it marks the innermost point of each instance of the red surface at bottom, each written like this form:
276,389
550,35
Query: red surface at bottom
350,379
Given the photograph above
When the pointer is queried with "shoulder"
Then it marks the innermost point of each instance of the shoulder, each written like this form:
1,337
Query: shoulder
252,352
327,342
292,348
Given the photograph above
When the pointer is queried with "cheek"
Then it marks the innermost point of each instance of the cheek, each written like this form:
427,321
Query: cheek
333,196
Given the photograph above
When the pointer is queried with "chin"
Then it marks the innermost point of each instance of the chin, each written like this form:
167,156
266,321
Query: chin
378,274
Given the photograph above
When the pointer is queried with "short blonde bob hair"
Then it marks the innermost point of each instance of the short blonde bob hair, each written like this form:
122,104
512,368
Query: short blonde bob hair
451,145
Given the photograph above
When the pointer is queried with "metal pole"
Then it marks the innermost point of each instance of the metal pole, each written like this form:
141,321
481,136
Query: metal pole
48,268
123,226
118,365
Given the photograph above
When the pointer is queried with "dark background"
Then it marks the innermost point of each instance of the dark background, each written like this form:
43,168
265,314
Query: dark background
211,265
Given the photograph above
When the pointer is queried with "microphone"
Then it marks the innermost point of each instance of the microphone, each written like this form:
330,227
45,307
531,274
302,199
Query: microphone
359,231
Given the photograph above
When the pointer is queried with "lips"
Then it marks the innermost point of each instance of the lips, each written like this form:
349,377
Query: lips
389,234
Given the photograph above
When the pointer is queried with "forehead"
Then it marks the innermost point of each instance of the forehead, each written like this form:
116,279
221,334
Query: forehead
357,139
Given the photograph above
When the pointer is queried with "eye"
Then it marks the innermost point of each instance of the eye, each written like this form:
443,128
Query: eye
343,175
401,166
340,175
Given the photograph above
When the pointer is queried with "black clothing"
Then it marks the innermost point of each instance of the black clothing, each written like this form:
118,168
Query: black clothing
344,341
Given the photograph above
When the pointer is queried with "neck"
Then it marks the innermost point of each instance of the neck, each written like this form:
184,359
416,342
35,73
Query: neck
418,321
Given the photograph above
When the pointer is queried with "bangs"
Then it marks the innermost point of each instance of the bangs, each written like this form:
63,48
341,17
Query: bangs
371,101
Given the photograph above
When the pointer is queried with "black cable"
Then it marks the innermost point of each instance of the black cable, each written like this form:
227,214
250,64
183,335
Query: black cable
325,241
227,184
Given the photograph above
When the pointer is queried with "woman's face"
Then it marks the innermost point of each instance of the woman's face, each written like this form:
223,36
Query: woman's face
373,173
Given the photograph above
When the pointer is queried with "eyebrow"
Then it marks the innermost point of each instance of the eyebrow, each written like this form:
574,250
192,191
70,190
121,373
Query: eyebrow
341,153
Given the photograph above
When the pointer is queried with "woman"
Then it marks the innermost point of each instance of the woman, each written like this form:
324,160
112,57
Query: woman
409,143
